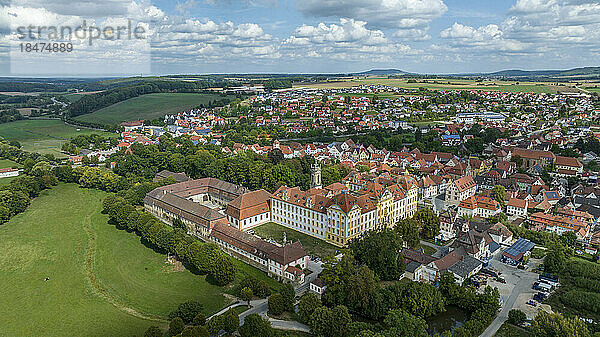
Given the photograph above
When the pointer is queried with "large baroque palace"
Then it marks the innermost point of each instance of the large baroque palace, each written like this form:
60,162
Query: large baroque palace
336,213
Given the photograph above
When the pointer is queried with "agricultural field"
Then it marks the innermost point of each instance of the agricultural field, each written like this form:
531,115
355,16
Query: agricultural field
312,245
43,135
579,291
447,84
101,280
593,89
150,106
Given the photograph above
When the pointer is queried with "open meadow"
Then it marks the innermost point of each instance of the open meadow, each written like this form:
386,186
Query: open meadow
150,106
44,135
101,280
446,84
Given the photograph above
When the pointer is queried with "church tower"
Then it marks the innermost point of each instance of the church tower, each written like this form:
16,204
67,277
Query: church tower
315,176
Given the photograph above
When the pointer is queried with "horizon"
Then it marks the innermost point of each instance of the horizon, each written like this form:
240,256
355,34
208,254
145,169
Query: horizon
407,73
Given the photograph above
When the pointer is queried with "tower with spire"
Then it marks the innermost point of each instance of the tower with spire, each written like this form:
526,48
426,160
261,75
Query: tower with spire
315,176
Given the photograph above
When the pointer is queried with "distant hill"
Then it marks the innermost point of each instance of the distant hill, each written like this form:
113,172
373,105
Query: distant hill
570,74
381,72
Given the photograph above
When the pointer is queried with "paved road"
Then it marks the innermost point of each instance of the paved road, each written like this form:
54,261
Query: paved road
522,281
258,307
261,306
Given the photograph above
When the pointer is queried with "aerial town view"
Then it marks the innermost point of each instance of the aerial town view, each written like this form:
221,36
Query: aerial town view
300,168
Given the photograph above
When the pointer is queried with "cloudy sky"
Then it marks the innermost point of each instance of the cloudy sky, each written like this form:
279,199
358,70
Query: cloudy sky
312,36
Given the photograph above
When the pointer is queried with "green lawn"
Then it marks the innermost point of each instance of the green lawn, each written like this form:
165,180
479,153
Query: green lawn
43,136
5,163
509,330
312,245
593,89
148,106
241,308
427,249
6,181
103,281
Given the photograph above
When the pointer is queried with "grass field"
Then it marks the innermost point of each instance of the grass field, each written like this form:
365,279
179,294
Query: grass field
593,89
5,163
42,135
103,281
149,106
312,245
509,330
446,84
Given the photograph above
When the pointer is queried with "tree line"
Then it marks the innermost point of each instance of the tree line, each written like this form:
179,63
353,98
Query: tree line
198,161
93,102
202,258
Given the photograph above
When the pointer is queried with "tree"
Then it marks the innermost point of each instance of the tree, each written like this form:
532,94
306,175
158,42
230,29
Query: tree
223,270
214,325
328,322
417,298
569,239
200,319
230,320
555,325
256,326
276,304
187,311
498,193
309,302
516,317
362,290
176,326
409,231
400,323
153,331
379,250
429,223
275,156
289,296
194,331
246,295
177,223
555,260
